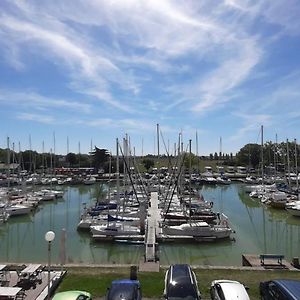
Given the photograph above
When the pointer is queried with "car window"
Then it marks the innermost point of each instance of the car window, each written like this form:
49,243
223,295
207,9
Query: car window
83,297
122,291
182,291
275,292
220,292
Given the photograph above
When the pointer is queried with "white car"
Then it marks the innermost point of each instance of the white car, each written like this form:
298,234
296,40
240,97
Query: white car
228,290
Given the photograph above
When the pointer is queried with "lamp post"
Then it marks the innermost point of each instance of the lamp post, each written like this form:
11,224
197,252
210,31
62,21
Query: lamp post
49,237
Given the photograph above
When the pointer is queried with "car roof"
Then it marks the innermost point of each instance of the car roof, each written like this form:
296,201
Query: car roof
232,289
126,281
290,287
181,271
182,283
70,295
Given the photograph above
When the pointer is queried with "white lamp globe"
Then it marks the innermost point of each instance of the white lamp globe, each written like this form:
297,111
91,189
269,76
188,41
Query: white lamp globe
49,236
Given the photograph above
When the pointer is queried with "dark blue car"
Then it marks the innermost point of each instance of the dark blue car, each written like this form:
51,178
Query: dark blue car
125,289
281,289
181,283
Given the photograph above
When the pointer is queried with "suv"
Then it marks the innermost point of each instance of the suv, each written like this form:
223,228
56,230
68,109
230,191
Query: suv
281,289
228,289
181,283
125,289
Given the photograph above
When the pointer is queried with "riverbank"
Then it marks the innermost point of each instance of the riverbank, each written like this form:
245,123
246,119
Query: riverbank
96,279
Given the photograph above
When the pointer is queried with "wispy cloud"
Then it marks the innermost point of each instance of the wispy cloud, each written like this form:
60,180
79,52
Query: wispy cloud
84,64
130,64
39,102
46,119
251,123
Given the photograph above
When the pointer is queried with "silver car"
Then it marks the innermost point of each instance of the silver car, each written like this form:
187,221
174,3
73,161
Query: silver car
228,290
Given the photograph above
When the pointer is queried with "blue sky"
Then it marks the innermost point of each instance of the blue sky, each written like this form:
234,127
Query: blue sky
96,70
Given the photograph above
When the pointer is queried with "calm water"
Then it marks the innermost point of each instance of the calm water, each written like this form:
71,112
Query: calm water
258,230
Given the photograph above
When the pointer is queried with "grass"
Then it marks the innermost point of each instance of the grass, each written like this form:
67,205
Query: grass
97,280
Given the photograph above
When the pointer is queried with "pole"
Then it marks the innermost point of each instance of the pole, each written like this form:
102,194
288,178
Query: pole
288,162
49,266
190,180
296,166
262,154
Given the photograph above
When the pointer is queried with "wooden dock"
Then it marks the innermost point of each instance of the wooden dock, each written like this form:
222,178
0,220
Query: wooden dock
153,221
39,288
253,260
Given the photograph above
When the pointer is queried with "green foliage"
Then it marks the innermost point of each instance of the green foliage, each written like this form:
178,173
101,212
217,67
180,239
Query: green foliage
148,163
100,158
72,159
99,192
250,154
190,158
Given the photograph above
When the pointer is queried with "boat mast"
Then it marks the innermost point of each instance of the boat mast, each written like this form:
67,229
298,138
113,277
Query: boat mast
275,156
296,165
118,171
30,155
190,179
262,153
288,162
8,164
43,155
158,168
197,154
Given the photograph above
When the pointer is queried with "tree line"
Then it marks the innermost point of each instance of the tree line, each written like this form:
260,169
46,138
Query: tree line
249,155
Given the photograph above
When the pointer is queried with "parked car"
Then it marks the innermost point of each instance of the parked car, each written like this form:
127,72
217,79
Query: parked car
228,290
72,295
124,289
181,283
280,289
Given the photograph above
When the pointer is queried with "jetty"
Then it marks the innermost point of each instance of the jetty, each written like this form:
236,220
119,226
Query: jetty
151,259
267,262
28,282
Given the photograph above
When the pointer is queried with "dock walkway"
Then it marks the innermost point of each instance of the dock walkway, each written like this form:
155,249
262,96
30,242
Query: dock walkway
153,221
38,290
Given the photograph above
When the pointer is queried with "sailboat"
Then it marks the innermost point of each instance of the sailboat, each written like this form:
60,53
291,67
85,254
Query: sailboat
115,228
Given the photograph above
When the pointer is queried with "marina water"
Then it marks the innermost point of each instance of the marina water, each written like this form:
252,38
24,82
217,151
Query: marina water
258,229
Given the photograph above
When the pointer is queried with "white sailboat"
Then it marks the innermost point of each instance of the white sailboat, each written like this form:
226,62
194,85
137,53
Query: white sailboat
115,229
18,209
294,210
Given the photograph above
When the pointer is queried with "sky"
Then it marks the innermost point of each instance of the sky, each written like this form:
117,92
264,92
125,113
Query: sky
81,73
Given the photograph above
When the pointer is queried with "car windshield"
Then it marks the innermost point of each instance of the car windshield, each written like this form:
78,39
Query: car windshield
121,291
182,291
82,297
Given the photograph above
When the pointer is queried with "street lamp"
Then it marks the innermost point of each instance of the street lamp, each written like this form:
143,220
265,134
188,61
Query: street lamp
49,237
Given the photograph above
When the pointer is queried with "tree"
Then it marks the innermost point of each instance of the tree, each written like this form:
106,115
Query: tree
72,159
100,157
148,163
249,154
190,157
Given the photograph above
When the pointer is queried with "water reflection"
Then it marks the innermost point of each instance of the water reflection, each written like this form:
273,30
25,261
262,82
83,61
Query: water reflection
259,229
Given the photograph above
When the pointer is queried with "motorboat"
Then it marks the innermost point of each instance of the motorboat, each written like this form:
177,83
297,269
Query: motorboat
199,230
